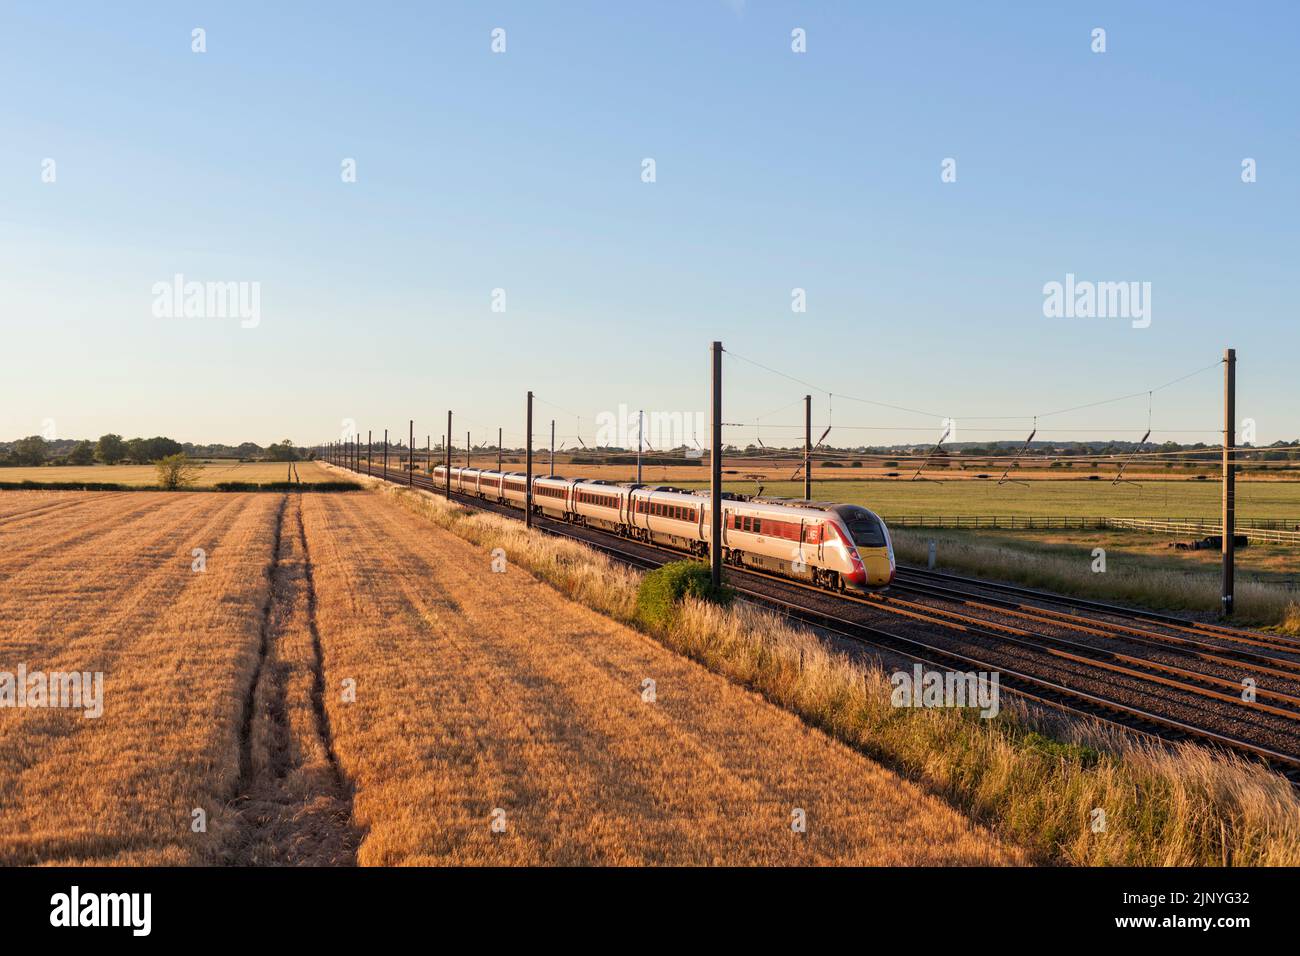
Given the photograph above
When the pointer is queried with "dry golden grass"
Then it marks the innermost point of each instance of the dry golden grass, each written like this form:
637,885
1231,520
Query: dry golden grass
1291,622
1164,807
146,476
105,584
478,691
29,504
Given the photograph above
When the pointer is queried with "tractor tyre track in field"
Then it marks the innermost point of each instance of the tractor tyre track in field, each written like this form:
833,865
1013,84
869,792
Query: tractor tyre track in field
318,664
292,805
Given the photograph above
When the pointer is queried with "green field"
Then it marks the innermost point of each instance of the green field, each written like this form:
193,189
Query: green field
142,476
1163,499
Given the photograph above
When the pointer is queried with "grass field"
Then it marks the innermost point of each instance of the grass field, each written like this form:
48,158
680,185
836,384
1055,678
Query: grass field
749,470
1141,569
144,476
1181,499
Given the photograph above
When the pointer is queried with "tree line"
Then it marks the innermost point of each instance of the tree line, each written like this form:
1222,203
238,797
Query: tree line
111,449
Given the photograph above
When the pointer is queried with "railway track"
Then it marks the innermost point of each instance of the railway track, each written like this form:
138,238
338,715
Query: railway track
1173,622
1175,691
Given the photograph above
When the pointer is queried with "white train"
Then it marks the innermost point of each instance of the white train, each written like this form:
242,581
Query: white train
835,546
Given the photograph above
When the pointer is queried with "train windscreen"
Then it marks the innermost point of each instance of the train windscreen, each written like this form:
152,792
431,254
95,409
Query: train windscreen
866,531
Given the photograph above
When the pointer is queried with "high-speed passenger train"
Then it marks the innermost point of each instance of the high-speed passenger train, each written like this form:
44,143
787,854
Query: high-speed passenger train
834,546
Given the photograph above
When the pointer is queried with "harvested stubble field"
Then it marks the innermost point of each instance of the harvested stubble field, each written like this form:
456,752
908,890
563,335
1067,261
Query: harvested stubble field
475,691
480,692
146,476
103,582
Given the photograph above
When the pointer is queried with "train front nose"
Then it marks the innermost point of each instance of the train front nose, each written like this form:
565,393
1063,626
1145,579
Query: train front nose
879,567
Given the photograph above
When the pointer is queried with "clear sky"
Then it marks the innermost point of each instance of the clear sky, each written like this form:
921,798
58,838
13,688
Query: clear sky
522,171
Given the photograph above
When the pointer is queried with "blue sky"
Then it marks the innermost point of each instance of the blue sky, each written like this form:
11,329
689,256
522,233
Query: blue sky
522,171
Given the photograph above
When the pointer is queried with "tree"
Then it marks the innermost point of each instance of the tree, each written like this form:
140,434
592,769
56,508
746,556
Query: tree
83,453
282,452
146,450
110,449
177,471
29,451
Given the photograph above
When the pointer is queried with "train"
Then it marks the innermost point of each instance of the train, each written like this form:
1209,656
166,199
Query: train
838,547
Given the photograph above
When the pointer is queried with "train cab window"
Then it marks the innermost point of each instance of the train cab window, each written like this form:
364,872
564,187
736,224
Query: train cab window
866,531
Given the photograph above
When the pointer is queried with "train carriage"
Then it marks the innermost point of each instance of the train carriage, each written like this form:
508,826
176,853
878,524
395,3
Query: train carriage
602,504
671,516
552,496
832,545
514,488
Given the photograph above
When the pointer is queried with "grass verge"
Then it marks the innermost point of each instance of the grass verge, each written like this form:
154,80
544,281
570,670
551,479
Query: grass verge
1038,785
